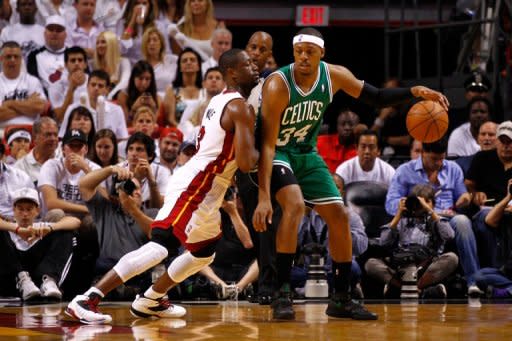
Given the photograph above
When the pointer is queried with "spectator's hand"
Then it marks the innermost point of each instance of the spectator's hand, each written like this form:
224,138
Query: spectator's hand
424,204
76,78
26,233
426,93
401,207
39,231
262,215
77,161
18,152
479,198
464,200
121,173
143,171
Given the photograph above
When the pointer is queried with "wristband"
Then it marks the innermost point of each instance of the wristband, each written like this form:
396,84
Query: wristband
17,230
128,31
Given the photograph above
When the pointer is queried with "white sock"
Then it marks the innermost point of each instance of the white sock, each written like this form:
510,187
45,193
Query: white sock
152,294
94,290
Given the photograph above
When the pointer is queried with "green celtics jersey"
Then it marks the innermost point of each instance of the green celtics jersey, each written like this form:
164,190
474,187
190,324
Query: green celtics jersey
302,118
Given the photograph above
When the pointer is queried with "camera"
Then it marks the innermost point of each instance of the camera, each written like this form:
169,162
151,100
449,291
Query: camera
316,283
413,206
127,186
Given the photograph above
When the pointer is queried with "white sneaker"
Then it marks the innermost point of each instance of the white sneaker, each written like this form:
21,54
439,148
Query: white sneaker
146,307
473,291
26,287
50,289
85,309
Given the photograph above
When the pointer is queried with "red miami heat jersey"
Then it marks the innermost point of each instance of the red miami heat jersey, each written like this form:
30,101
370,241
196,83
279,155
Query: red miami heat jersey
195,191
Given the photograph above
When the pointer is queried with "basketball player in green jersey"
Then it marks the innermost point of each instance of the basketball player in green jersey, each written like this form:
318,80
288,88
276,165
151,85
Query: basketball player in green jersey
293,102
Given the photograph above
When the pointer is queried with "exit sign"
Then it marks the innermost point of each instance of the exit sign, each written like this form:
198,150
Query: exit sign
312,15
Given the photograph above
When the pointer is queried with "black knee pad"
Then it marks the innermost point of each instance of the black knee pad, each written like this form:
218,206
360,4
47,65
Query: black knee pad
205,251
167,239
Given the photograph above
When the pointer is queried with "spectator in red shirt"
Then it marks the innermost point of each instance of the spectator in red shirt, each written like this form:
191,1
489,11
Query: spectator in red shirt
339,147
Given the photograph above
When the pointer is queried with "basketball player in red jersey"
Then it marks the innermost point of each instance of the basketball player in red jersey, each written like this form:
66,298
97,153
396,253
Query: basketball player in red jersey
190,215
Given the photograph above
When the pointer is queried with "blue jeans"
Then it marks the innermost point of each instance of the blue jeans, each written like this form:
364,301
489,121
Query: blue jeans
466,246
494,277
487,239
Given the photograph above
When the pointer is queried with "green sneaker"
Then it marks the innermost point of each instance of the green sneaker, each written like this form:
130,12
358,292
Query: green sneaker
282,305
345,307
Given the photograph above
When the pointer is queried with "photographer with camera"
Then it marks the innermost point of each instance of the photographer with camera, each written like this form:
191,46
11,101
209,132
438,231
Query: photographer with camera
416,236
121,227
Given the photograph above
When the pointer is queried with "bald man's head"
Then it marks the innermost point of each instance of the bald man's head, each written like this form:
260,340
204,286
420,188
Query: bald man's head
259,48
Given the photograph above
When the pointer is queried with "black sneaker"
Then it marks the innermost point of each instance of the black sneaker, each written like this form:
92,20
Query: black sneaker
282,305
435,291
345,307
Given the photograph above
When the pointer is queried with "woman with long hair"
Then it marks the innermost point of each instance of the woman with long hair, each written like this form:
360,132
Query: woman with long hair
168,11
81,118
186,91
107,57
196,29
141,91
164,65
104,151
137,18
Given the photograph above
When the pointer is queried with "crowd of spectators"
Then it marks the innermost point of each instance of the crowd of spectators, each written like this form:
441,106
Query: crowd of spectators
92,91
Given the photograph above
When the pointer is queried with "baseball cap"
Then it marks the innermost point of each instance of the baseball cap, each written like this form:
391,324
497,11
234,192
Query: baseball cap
56,20
26,193
505,129
74,135
477,82
172,132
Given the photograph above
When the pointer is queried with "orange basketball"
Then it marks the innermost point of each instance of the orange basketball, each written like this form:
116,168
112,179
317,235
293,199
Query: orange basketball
427,121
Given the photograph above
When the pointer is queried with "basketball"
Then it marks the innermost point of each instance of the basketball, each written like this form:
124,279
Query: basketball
427,121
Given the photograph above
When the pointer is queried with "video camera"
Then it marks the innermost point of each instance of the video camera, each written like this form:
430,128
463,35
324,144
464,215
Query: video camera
127,186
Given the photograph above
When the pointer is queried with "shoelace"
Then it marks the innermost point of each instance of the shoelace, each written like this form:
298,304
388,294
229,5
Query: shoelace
165,303
92,304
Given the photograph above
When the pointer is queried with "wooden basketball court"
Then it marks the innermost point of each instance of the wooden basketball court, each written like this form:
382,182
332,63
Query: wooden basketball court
248,321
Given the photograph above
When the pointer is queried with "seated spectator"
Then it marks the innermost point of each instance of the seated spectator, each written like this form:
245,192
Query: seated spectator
81,118
153,178
18,140
185,92
367,166
270,65
486,140
186,151
83,30
416,230
448,182
463,140
11,179
47,63
69,85
221,42
121,226
28,34
105,148
107,57
34,251
340,147
21,95
313,233
141,91
144,121
105,113
496,279
164,64
46,140
58,180
137,18
190,123
416,149
169,144
235,261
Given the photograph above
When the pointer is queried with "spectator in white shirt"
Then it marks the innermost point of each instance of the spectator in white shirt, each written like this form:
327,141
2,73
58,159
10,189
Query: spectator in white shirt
28,34
367,166
47,63
21,95
221,42
44,133
463,140
105,114
58,180
72,83
84,30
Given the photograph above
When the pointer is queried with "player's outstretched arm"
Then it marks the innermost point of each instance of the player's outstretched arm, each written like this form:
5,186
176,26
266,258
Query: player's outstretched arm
242,120
343,79
275,98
